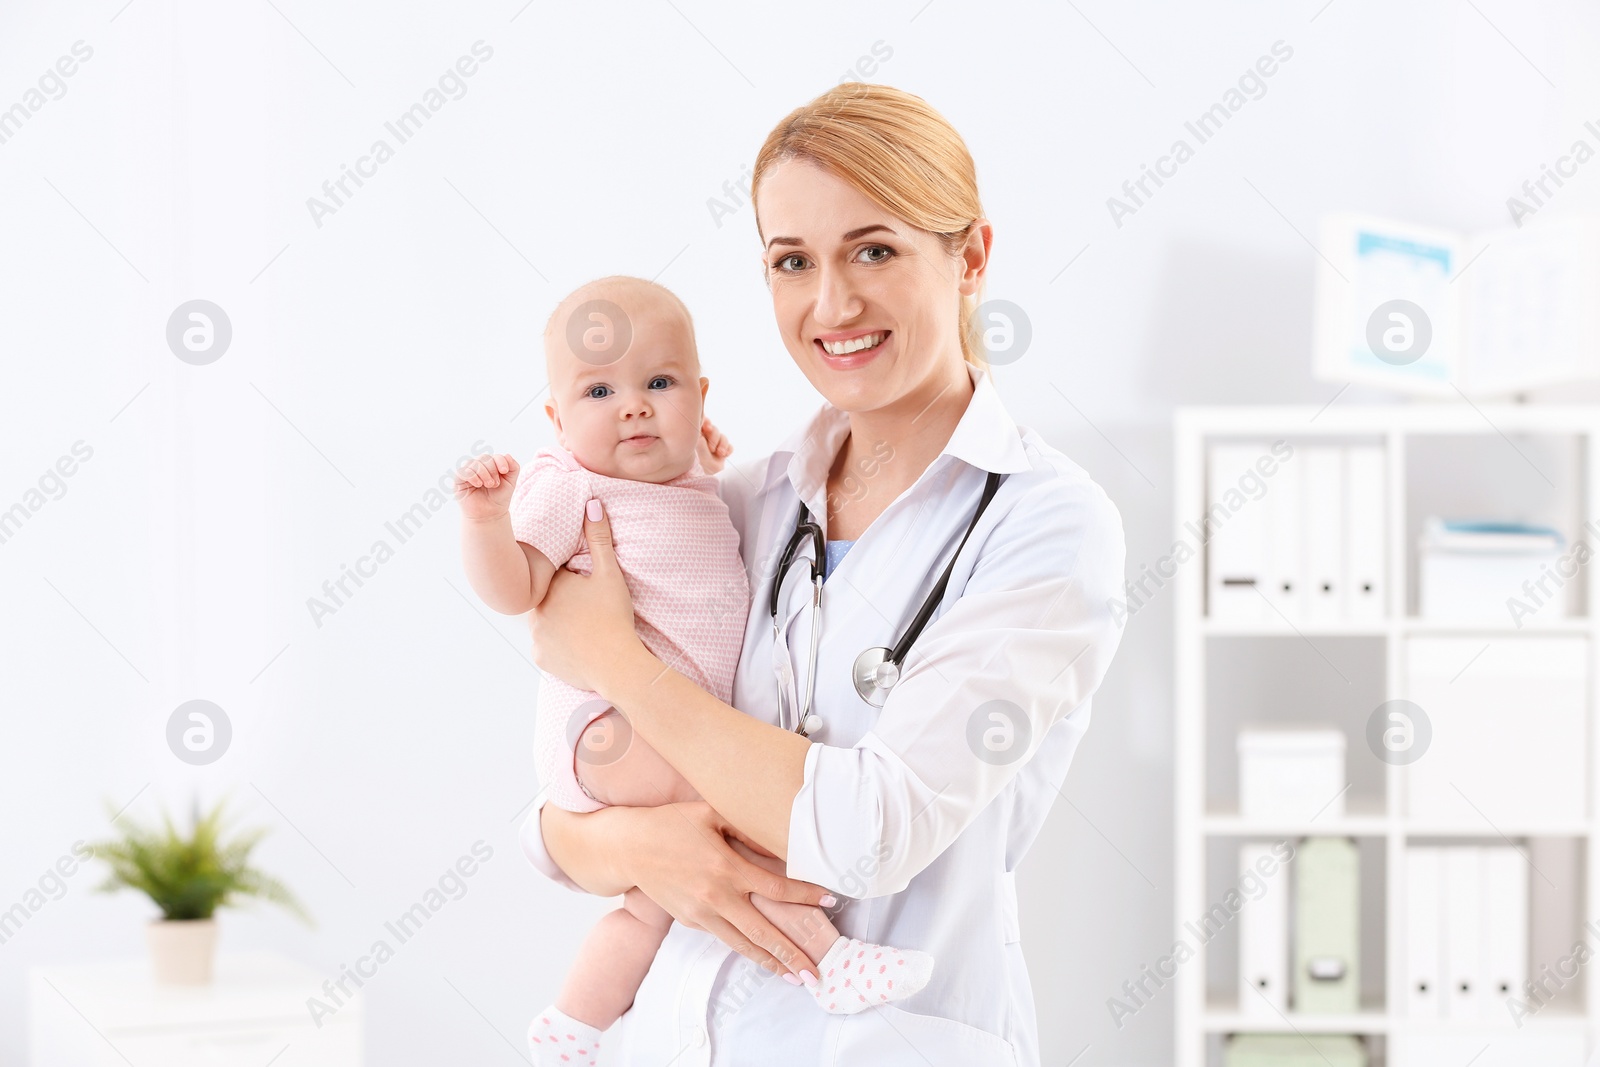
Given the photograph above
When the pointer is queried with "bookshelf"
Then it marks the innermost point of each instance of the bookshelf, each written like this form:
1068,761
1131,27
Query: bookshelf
1523,459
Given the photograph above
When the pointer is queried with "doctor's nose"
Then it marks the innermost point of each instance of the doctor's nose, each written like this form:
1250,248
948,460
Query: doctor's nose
837,302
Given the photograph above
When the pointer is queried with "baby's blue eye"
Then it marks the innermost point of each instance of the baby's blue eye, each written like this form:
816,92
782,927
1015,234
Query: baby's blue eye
590,391
662,378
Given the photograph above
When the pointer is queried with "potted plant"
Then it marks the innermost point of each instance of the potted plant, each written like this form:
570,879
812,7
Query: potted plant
188,878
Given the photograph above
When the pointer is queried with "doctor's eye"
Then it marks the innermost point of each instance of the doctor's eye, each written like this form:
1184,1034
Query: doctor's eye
781,265
888,253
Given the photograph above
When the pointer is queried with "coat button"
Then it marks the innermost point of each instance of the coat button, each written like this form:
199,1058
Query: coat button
699,1036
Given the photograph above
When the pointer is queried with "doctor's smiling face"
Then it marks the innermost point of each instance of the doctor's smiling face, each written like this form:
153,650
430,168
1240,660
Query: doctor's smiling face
867,304
635,415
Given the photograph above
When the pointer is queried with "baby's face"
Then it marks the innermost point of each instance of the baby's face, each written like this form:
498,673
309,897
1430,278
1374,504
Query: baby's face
639,416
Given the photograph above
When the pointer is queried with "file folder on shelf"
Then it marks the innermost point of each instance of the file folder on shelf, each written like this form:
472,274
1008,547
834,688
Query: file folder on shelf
1463,931
1236,549
1327,927
1322,490
1365,505
1424,932
1264,938
1506,921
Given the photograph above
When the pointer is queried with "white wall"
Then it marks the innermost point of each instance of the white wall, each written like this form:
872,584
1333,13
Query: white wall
371,351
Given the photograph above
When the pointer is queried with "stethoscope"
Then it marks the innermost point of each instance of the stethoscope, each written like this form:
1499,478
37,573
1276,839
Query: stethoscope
876,670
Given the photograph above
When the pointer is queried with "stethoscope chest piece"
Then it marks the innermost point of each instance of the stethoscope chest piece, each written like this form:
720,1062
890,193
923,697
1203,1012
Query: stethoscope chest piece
875,673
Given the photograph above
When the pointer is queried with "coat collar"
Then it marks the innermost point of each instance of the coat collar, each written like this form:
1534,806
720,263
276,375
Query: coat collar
986,437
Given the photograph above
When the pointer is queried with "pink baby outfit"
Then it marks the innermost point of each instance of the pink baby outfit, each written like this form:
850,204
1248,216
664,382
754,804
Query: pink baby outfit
680,555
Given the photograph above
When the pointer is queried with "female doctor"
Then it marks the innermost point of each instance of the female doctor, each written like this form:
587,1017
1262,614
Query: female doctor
920,780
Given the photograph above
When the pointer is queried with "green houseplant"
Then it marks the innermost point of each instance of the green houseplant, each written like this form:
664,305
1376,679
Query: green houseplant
188,878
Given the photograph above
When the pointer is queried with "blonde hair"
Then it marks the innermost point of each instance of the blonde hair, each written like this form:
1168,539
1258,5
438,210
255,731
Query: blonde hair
901,154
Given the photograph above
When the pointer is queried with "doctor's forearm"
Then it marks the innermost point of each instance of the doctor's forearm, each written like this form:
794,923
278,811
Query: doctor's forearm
583,845
748,770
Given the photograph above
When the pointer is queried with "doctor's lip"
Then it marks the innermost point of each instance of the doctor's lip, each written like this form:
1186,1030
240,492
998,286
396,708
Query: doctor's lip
828,346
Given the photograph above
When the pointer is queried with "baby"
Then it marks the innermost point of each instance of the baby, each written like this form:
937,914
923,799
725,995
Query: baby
627,401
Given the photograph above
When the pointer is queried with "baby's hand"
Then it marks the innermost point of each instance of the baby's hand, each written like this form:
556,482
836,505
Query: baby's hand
484,485
713,448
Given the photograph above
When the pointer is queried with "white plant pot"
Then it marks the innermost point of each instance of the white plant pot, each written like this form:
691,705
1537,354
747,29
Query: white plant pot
182,950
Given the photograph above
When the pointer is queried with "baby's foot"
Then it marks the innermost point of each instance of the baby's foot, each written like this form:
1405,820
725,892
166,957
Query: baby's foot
856,975
558,1040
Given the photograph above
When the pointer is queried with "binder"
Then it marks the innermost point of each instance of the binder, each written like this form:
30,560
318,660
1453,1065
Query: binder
1264,939
1323,492
1364,531
1463,931
1285,546
1505,928
1327,927
1424,929
1236,547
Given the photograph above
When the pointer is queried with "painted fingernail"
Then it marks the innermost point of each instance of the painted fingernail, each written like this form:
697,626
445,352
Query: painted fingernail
808,978
594,511
829,900
791,979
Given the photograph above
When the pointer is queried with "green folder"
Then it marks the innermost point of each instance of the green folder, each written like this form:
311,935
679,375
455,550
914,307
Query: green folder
1292,1050
1327,927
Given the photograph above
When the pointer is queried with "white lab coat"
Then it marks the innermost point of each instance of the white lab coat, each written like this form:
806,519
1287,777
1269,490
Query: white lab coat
917,814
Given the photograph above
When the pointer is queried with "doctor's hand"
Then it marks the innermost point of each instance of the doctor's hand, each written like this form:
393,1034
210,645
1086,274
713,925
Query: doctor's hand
686,857
584,622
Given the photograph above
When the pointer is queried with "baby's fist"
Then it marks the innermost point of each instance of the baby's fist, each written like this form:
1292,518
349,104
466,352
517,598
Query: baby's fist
484,485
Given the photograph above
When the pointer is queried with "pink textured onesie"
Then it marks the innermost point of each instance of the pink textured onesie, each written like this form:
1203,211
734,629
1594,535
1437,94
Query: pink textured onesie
680,555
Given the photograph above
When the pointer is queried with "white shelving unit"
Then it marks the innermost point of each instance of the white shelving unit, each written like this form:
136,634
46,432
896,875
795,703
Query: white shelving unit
1206,1001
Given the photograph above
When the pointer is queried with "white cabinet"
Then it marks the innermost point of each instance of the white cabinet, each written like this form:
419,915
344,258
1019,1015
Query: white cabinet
254,1013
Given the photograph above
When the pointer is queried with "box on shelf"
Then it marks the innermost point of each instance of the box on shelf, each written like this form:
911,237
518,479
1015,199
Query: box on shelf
1291,773
1486,571
1327,927
1506,730
1294,1050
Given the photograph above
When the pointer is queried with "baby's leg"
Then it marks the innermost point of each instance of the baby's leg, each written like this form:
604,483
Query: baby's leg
617,767
613,961
601,983
853,974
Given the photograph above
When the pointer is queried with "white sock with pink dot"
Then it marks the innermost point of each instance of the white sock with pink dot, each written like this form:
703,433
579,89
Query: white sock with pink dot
856,975
558,1040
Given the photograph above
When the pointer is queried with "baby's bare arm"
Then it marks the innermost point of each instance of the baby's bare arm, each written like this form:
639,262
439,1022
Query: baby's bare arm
508,575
